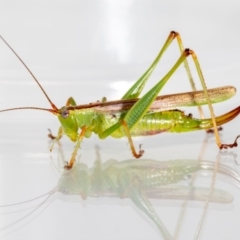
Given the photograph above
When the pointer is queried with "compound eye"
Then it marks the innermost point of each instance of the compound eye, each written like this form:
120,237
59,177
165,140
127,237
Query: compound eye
65,113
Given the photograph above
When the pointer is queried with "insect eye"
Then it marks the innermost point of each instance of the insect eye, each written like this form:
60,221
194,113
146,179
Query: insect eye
65,113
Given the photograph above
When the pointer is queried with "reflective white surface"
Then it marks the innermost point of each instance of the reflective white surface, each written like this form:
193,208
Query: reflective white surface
91,49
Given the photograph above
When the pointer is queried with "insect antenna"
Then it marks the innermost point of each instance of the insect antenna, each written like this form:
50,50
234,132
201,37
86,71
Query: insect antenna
51,103
35,108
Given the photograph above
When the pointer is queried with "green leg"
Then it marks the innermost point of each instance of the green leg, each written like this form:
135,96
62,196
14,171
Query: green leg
74,154
191,80
138,86
143,104
217,137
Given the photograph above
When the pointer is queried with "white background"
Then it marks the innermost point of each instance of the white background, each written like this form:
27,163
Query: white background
91,49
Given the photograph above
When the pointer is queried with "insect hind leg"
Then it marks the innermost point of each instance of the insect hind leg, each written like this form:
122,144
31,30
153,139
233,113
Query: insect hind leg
226,146
215,129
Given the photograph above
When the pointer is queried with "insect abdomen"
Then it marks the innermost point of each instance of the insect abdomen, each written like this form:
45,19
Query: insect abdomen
158,122
167,121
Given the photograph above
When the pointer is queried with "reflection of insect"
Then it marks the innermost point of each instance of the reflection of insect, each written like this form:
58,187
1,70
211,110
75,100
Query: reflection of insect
145,116
138,181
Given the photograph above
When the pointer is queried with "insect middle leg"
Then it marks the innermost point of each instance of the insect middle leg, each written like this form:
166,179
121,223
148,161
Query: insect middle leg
128,134
74,154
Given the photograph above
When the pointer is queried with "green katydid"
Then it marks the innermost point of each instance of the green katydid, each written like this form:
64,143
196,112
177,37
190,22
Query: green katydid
148,115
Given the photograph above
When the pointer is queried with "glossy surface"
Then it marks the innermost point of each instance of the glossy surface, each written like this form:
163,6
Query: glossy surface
90,50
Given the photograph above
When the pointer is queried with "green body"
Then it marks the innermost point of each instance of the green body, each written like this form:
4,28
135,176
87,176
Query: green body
141,116
151,123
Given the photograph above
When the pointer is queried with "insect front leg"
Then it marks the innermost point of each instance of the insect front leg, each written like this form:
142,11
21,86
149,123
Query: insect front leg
70,102
55,138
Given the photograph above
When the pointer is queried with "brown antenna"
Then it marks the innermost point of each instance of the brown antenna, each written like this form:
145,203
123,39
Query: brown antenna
51,103
35,108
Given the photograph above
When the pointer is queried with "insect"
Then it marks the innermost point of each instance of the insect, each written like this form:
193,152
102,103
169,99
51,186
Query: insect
151,114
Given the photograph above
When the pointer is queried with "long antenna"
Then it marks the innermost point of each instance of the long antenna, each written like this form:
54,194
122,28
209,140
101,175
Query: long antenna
51,103
35,108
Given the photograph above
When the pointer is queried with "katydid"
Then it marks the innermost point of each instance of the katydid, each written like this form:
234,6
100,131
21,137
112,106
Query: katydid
148,115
